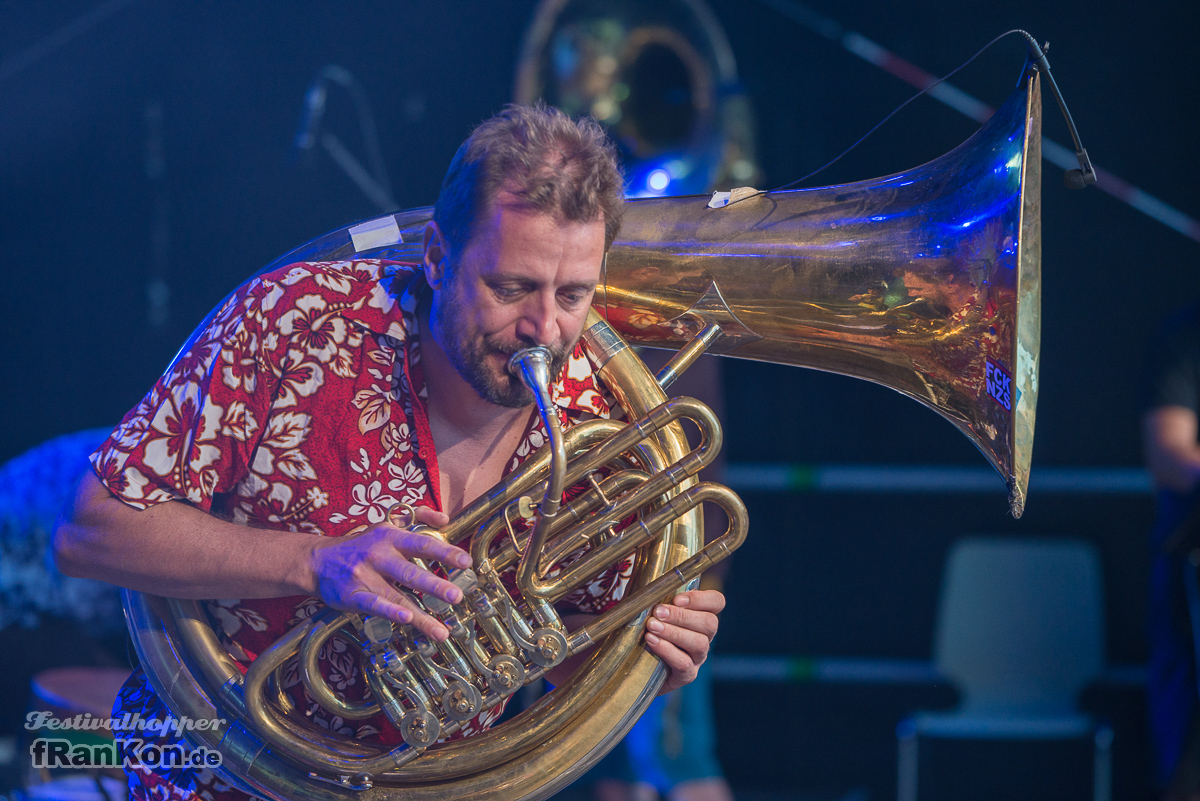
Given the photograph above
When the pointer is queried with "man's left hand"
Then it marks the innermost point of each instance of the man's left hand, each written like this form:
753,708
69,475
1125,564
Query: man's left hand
680,633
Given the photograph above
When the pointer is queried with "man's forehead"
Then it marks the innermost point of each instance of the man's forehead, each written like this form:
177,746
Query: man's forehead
519,272
515,204
511,237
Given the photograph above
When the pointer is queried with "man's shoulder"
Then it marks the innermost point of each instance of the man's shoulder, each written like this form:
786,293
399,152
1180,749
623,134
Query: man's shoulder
351,278
363,291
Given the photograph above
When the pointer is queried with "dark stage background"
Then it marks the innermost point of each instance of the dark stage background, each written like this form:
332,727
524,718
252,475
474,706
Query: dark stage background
822,575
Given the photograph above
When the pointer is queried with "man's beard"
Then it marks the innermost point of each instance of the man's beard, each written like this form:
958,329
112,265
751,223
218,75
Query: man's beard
469,357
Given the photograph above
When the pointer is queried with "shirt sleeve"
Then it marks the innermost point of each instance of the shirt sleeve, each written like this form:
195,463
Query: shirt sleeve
193,435
1173,367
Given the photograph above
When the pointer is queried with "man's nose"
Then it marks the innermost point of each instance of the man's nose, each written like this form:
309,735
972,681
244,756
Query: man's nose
539,322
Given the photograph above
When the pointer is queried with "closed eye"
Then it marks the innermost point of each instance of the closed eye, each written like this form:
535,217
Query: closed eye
574,296
508,292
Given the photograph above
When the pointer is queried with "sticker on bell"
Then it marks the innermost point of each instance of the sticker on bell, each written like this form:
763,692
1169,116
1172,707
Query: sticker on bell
999,385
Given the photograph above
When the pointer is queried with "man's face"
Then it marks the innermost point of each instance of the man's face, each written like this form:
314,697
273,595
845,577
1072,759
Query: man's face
523,279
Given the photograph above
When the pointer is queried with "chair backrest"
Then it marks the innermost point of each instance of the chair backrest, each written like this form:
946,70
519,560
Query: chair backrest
1021,623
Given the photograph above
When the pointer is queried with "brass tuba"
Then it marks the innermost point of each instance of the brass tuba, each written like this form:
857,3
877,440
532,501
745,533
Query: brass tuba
662,79
925,281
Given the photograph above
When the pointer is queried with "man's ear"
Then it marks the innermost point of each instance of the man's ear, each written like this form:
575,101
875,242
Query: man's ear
435,261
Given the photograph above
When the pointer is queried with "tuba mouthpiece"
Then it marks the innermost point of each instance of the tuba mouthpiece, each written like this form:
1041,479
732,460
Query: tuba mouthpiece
532,365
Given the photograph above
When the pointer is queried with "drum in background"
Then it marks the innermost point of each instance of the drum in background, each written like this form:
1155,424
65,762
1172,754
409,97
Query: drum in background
70,691
85,697
77,788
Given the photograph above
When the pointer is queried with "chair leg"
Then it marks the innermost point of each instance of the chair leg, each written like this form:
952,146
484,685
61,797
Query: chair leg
906,769
1102,768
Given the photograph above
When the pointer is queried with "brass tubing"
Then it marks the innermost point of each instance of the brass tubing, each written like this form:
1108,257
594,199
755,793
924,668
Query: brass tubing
674,580
219,676
389,702
687,356
318,755
654,422
577,509
563,546
410,685
226,680
520,482
455,659
278,695
531,727
432,680
479,654
534,371
673,476
210,656
626,542
496,633
625,439
323,630
588,434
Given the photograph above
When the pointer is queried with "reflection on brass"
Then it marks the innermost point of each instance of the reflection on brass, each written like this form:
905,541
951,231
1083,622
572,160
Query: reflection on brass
927,282
915,281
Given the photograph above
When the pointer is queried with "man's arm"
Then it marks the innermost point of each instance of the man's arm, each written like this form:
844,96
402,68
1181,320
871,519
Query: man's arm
1172,452
175,550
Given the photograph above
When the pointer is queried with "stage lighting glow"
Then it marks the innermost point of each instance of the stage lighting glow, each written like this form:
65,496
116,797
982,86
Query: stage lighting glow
658,180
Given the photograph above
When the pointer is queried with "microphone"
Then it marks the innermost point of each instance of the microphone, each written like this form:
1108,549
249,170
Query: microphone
1078,179
1085,175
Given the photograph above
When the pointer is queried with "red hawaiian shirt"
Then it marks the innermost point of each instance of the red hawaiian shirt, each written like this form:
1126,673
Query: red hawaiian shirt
301,406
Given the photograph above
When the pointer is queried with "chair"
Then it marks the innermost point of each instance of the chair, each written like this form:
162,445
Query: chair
1020,631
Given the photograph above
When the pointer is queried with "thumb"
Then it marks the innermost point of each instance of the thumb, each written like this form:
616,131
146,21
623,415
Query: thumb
431,517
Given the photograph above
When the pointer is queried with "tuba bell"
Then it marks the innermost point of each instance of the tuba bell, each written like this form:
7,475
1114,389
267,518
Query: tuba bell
660,77
927,282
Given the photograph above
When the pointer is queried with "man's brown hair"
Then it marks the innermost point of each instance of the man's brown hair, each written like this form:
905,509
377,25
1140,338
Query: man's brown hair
549,162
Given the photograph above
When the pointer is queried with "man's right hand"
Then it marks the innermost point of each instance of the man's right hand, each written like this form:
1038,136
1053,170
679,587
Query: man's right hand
358,572
177,551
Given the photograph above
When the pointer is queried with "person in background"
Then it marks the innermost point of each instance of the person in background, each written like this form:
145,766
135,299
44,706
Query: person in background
1171,438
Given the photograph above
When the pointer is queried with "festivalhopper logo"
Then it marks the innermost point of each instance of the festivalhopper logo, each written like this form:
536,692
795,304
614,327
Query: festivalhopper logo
128,750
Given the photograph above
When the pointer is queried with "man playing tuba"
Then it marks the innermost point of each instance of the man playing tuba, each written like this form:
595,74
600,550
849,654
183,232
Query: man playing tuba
263,464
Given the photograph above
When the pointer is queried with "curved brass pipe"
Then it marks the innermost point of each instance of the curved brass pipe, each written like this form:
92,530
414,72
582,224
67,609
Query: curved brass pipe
665,479
310,672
